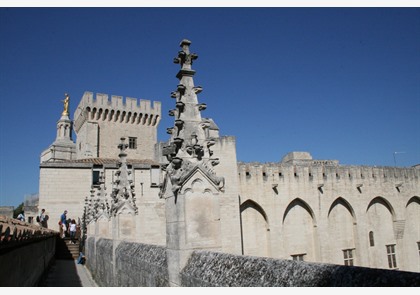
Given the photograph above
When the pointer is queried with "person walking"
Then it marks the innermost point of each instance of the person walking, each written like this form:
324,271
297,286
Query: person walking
41,218
63,220
72,227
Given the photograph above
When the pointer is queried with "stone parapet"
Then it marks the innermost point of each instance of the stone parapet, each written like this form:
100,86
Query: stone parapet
325,171
212,269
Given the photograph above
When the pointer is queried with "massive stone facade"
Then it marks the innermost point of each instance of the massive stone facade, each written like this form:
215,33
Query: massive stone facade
191,193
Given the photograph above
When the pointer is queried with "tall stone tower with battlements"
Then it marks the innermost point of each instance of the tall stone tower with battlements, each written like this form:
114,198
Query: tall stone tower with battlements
99,124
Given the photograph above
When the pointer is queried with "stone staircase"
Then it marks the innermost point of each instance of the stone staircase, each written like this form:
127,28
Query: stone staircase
66,250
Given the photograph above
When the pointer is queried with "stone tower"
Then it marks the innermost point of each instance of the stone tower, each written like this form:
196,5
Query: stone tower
191,188
63,148
99,124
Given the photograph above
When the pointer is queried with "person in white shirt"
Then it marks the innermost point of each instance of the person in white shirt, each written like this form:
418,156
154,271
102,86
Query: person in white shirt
21,217
73,231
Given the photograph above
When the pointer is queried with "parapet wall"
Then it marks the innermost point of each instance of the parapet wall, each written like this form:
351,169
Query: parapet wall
141,265
321,171
126,264
26,252
212,269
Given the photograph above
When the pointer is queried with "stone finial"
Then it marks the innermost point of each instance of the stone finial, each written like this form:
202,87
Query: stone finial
123,193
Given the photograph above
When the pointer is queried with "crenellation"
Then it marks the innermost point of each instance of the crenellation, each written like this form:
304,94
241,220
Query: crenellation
117,101
99,107
272,172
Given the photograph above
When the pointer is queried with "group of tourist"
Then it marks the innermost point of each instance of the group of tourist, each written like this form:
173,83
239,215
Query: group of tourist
68,227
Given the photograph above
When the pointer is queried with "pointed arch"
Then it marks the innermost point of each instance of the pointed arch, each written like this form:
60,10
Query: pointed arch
255,238
411,236
345,204
252,204
341,228
384,202
414,199
301,203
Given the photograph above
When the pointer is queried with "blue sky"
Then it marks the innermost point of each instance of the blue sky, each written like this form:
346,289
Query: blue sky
340,83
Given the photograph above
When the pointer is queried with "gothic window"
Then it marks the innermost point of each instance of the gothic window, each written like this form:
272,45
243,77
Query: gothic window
298,257
392,260
348,256
132,143
371,239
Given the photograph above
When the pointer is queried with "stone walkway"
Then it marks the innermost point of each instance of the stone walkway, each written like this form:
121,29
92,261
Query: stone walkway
67,273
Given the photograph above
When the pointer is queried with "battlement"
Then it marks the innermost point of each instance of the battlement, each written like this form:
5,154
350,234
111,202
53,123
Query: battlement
325,171
128,110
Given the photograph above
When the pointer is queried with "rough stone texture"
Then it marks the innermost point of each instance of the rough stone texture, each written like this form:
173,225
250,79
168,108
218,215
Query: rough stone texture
104,270
211,269
91,255
140,265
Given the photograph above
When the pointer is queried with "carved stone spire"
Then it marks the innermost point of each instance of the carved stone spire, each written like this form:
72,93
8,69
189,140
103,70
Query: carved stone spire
191,188
190,143
123,191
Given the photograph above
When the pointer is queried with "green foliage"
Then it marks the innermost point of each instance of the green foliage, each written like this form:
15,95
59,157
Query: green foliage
18,210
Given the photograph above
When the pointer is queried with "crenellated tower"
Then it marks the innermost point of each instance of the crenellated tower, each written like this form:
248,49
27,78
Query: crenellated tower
99,122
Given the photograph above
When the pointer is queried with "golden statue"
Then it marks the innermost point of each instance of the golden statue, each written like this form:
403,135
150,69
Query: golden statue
66,105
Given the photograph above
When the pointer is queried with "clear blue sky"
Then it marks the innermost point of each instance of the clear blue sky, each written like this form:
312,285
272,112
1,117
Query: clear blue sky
340,83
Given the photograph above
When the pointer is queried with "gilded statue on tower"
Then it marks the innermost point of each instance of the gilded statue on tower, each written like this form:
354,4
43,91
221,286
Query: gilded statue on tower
66,105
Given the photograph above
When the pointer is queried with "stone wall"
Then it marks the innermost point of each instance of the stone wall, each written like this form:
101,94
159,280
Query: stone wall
211,269
26,251
25,266
319,210
141,265
126,264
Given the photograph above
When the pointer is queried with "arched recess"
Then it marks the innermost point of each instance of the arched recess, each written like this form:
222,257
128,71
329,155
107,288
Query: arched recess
384,202
341,233
411,238
299,232
380,219
254,228
304,205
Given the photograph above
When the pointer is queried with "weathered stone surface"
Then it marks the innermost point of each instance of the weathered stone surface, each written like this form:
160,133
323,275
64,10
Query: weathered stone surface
140,265
104,274
212,269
